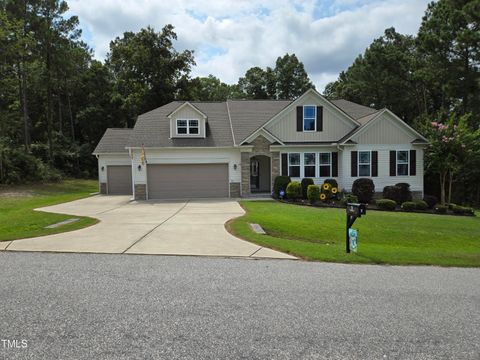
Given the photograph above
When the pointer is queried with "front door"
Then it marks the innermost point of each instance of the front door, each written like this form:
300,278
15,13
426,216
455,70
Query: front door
254,175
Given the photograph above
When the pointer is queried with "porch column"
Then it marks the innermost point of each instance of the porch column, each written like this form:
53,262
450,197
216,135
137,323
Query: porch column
245,166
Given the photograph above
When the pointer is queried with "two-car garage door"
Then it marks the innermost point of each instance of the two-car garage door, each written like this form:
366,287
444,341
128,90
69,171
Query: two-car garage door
176,181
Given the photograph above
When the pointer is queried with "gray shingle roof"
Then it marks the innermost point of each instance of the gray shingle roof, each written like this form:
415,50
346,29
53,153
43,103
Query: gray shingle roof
355,110
243,117
152,129
113,141
248,115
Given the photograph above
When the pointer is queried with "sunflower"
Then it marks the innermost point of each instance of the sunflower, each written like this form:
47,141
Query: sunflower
334,190
323,196
326,186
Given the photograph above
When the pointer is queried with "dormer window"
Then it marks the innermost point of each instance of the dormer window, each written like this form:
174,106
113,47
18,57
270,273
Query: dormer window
309,118
187,127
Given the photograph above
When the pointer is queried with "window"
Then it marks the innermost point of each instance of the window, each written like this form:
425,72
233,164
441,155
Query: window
309,118
294,165
402,163
309,164
364,163
185,127
325,164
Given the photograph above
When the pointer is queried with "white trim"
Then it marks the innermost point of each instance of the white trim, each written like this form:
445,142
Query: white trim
267,134
187,127
231,125
185,104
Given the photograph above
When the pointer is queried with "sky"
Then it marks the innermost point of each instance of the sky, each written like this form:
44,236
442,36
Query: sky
230,36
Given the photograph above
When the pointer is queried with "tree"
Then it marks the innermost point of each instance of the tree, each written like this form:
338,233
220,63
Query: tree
291,78
254,84
148,71
210,89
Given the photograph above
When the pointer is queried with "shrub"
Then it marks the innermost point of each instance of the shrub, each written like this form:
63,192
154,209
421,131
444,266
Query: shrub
329,191
386,204
441,209
392,192
430,200
404,193
461,210
349,198
420,205
409,206
313,193
451,206
332,182
280,183
364,189
294,190
305,184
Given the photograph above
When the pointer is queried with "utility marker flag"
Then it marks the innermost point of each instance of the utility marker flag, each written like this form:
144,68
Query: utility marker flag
143,158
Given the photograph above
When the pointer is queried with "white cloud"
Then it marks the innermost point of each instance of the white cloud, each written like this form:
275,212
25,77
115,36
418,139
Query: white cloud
230,36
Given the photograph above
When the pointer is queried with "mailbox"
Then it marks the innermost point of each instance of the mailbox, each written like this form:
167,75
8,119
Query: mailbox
356,210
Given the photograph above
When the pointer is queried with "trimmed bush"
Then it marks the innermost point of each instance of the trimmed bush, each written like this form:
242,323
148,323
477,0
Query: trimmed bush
441,209
451,206
305,184
364,189
349,198
313,193
332,182
280,183
409,206
404,193
294,190
430,200
461,210
392,192
386,204
420,205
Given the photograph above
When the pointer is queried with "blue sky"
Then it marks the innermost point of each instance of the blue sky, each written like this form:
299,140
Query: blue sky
230,36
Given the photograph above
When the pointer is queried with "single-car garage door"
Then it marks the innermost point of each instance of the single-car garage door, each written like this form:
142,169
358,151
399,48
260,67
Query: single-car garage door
119,179
178,181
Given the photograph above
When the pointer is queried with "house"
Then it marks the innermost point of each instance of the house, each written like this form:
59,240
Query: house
236,148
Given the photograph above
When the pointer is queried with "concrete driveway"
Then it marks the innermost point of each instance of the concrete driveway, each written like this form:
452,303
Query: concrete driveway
193,227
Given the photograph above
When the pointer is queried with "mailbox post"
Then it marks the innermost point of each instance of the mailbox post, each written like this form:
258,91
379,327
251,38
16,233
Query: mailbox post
354,211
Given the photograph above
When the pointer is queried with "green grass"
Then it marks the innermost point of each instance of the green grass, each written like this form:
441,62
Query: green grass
18,220
384,237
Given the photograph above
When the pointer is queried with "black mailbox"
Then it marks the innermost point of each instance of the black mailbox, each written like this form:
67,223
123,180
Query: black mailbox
356,210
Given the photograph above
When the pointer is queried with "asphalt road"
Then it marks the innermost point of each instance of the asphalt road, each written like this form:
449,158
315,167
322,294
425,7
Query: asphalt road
72,306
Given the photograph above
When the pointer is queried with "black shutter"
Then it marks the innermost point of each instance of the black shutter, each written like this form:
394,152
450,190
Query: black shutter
299,118
374,163
413,162
334,164
393,163
284,164
319,118
354,163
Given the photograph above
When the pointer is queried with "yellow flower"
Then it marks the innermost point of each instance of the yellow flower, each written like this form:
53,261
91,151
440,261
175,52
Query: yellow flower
326,186
323,196
334,190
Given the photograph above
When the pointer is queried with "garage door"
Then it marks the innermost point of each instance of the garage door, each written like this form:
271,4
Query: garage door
119,179
178,181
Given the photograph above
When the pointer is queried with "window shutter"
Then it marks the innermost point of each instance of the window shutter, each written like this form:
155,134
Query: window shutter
284,164
393,163
299,118
334,164
413,162
319,118
374,163
354,163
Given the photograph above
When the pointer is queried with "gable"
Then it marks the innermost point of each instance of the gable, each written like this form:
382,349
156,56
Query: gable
187,112
385,129
336,124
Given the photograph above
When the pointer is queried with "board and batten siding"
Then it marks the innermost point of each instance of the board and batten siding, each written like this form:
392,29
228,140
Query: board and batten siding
383,179
111,159
188,156
187,113
335,125
384,130
316,149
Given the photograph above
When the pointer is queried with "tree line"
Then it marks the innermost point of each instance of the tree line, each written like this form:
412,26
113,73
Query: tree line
56,100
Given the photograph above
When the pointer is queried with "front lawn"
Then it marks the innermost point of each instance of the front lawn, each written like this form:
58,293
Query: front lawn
18,219
384,237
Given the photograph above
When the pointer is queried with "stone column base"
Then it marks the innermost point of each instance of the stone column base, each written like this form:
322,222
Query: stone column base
103,188
140,192
235,190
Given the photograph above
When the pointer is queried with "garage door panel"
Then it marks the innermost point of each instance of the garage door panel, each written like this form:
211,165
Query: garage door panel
171,181
119,179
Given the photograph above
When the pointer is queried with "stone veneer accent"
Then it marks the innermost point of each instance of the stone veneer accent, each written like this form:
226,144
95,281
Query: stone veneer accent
140,192
261,146
103,188
235,190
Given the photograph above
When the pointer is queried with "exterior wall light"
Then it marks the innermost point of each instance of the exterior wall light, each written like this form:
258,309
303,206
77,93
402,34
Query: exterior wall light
234,166
103,168
139,167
